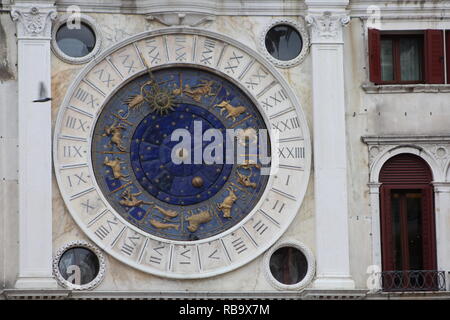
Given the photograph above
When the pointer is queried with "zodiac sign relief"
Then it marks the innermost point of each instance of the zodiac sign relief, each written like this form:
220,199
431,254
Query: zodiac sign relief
130,199
197,219
245,180
203,89
161,225
227,203
168,213
233,112
115,131
248,163
115,167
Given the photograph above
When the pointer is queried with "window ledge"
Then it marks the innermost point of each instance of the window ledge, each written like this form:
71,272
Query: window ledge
406,88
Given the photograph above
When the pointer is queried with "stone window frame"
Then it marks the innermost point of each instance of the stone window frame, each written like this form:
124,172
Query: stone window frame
77,244
77,60
300,28
435,151
309,258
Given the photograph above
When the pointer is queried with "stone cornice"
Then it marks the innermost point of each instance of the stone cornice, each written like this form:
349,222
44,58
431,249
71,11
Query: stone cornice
34,20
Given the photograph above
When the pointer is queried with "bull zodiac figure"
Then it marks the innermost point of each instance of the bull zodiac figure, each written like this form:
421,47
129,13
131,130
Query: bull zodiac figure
115,167
227,203
233,112
115,131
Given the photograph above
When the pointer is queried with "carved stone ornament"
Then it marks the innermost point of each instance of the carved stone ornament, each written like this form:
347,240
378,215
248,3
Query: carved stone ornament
33,20
305,39
76,244
327,27
181,19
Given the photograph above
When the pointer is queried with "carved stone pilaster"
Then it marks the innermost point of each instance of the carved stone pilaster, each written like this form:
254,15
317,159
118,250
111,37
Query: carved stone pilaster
327,28
34,20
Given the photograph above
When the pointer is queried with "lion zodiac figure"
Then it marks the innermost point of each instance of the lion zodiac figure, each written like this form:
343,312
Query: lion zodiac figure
233,112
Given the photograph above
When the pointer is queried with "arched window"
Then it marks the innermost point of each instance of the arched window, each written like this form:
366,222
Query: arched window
407,223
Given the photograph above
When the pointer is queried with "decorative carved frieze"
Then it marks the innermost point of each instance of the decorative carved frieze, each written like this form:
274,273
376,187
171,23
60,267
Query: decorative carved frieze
173,19
327,28
33,20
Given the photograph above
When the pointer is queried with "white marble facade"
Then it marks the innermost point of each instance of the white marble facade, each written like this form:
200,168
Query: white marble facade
338,218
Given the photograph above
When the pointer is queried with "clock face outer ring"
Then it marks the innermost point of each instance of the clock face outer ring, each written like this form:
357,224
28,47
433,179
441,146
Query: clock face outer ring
231,262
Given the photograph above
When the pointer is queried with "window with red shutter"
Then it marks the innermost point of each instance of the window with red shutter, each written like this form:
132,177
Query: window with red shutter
374,56
408,58
434,57
407,217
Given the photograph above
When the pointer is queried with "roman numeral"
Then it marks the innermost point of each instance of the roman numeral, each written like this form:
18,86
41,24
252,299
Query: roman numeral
87,205
153,51
288,124
104,77
278,206
76,123
86,97
129,247
291,152
185,255
103,231
256,78
233,62
72,151
208,49
128,64
272,101
239,245
77,176
212,255
156,259
180,53
260,227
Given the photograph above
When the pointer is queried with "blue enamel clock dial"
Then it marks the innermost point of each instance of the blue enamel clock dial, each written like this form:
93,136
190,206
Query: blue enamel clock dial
156,182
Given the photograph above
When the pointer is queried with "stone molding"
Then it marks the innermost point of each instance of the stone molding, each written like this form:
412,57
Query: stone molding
34,20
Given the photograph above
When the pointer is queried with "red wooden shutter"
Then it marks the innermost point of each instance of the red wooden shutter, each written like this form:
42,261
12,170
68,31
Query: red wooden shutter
428,232
386,227
434,56
405,169
374,56
447,42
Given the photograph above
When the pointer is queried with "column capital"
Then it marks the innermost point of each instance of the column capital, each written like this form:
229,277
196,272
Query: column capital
326,26
441,187
34,20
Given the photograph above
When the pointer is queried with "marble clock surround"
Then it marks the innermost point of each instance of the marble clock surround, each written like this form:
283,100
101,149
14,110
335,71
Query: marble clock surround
300,229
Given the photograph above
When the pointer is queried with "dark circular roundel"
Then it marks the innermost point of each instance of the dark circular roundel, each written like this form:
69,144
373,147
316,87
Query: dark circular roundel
161,182
79,265
283,42
76,42
288,265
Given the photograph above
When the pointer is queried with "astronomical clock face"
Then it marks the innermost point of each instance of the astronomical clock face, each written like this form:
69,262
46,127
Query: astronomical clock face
181,154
